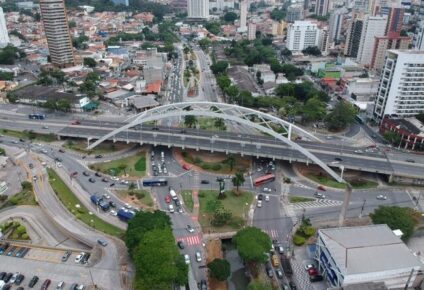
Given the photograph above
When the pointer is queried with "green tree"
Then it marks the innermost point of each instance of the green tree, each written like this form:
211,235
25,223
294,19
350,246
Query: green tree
6,76
312,50
221,216
278,14
219,67
90,62
343,115
219,269
252,244
190,121
131,186
204,43
231,161
230,17
219,124
313,110
213,27
223,81
258,285
63,105
72,24
395,217
238,179
232,92
393,137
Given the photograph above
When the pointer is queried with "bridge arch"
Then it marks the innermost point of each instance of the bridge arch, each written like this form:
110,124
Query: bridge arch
229,112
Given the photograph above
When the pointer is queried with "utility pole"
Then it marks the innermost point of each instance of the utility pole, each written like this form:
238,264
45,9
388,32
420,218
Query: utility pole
346,201
362,208
409,279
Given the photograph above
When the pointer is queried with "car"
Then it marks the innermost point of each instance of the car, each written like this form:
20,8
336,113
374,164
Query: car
80,287
308,266
34,178
112,184
266,189
180,244
187,259
113,212
75,122
179,209
58,164
292,285
73,174
13,278
359,151
190,229
260,196
381,197
73,286
31,166
203,285
66,256
11,251
171,208
267,197
177,202
269,272
60,285
204,181
2,274
316,278
112,204
46,284
19,279
410,160
259,204
85,258
312,271
85,173
21,140
102,242
319,195
98,156
92,180
45,127
338,159
279,273
78,258
167,198
7,287
61,151
97,174
107,196
198,256
279,249
155,129
20,288
321,187
33,281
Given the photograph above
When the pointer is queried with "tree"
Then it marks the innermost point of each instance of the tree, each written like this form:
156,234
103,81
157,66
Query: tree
63,105
230,17
219,67
238,180
343,115
221,216
131,186
220,124
278,14
72,24
231,161
395,217
223,81
393,137
204,43
219,269
9,54
312,50
313,110
90,62
252,244
190,121
213,27
258,285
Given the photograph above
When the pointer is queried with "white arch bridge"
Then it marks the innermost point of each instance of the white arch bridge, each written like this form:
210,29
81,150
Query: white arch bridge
244,116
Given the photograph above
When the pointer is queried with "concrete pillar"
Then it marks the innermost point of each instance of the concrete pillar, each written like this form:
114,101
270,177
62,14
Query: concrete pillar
345,205
58,137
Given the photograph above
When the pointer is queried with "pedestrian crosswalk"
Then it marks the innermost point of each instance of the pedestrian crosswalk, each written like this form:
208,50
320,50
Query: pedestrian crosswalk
273,234
190,240
315,203
196,179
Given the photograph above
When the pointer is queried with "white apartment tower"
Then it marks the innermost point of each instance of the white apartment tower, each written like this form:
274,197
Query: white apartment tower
302,34
4,36
401,89
251,31
243,16
56,28
321,7
374,26
198,9
336,24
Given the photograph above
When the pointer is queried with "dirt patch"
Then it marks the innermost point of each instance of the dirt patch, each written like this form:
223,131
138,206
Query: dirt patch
315,169
207,156
213,251
349,222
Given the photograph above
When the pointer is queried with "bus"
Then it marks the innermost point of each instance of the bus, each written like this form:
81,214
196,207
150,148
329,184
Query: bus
264,179
37,116
155,182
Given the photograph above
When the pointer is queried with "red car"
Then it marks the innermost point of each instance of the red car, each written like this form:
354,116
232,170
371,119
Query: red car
320,187
186,167
75,122
168,198
312,272
73,174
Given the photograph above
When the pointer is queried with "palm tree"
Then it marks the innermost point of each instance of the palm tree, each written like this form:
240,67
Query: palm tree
131,186
238,180
231,161
190,121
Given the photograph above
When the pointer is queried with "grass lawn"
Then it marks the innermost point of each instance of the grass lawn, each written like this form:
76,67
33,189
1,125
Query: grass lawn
208,124
221,166
188,199
69,200
80,145
30,135
142,196
235,204
24,197
330,182
134,165
295,199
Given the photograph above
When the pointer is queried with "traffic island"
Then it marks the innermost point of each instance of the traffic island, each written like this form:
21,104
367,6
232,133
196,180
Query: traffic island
130,166
107,147
140,198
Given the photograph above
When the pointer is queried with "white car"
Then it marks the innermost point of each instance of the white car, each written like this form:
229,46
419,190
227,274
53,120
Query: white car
171,208
259,204
113,212
115,178
266,189
198,257
267,197
107,196
187,259
381,197
78,258
127,205
58,164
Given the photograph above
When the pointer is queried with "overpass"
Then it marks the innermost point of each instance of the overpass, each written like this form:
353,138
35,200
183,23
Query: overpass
334,156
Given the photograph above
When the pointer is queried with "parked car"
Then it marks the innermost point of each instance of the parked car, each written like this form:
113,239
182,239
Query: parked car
13,278
102,242
198,257
171,208
33,281
319,195
203,285
204,181
292,285
98,174
279,273
260,196
259,204
92,180
85,173
46,284
381,197
78,258
190,229
60,285
312,271
279,249
180,244
167,198
66,256
187,259
19,279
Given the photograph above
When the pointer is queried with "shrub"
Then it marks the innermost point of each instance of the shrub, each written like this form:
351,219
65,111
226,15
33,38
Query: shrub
25,236
131,192
298,240
197,161
184,154
140,195
201,194
308,231
206,166
287,180
20,230
216,167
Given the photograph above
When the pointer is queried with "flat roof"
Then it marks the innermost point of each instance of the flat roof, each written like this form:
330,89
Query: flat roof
367,249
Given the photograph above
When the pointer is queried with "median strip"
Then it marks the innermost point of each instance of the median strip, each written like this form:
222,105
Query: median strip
74,205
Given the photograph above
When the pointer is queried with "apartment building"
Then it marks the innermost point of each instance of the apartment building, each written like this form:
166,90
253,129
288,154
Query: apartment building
198,9
374,26
302,34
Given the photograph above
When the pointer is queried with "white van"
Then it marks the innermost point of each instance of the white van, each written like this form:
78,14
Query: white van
173,194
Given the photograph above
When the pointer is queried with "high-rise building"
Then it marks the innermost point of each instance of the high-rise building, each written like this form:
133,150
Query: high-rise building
385,43
251,31
302,34
419,37
243,16
374,26
335,24
321,8
179,5
323,42
198,9
56,28
121,2
353,37
401,89
394,21
221,5
4,35
294,13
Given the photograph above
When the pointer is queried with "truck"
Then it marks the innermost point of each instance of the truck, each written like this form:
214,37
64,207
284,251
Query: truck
173,194
94,199
285,263
104,205
125,215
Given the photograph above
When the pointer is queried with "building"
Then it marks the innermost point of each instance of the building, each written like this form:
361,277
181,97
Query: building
401,89
179,5
374,26
321,7
251,31
243,16
394,21
4,35
121,2
352,255
295,13
56,28
302,34
198,9
353,37
384,43
323,42
221,5
419,36
336,24
409,130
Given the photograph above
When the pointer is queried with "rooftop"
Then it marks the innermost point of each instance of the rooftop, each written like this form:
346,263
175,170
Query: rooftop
367,249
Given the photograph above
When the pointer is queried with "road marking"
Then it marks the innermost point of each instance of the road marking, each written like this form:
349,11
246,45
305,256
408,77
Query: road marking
314,204
190,240
272,233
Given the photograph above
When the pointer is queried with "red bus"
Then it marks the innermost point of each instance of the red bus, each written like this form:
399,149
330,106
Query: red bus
264,179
